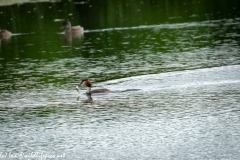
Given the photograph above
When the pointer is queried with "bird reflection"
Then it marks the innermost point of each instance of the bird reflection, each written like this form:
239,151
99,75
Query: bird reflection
68,38
88,100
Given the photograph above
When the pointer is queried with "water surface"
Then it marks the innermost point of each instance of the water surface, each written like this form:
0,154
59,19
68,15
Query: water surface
174,82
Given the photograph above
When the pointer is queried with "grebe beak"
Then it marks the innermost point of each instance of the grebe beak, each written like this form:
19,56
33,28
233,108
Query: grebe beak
81,83
77,89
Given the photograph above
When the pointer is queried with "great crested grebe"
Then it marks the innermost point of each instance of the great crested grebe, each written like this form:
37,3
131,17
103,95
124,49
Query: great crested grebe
5,34
88,84
72,30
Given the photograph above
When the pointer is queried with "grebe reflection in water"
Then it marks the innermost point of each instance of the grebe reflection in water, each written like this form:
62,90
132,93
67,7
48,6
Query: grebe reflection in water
88,84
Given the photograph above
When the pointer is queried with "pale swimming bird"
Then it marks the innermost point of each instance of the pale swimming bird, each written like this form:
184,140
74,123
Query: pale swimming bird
88,84
5,34
72,30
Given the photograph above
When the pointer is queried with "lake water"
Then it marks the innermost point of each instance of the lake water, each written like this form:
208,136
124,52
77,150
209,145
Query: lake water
174,81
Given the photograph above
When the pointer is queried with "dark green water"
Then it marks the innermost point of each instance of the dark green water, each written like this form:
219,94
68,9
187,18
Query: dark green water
184,57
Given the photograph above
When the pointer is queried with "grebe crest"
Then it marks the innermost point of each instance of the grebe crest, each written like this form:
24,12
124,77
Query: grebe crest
88,84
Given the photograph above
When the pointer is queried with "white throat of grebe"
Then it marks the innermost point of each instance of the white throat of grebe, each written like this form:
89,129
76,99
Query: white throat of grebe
88,90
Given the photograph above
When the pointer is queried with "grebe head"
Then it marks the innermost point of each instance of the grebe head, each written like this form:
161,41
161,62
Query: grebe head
86,83
66,25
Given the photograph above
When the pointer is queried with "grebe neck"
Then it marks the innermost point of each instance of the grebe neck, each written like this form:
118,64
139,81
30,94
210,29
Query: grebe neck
88,90
68,30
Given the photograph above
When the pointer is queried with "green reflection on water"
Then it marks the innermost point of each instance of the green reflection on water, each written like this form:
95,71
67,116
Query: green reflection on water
40,17
122,38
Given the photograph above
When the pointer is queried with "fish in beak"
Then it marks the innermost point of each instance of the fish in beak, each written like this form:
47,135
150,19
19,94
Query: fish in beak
77,89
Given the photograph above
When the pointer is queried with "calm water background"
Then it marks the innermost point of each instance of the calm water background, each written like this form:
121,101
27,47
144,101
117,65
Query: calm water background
183,56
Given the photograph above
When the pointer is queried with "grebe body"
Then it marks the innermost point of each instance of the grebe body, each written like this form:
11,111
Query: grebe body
5,34
88,84
72,30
